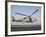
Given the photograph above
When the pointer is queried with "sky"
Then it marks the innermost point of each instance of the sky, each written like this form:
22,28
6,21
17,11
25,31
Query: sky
27,10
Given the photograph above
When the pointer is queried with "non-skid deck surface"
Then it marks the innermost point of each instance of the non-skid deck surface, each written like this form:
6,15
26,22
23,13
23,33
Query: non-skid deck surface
25,27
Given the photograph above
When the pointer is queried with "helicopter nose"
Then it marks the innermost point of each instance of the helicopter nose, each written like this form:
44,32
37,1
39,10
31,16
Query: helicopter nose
33,19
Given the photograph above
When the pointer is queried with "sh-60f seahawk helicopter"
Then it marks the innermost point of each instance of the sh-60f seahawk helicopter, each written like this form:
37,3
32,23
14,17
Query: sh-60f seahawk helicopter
27,19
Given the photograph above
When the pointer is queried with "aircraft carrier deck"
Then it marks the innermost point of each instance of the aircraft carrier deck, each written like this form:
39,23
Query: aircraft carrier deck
25,27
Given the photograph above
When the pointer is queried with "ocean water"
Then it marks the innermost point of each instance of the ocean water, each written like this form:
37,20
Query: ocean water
25,27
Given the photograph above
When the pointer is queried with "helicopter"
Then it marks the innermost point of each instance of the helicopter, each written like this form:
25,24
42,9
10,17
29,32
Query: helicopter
27,19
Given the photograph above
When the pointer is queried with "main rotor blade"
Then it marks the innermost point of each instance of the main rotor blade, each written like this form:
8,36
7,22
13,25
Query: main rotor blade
35,12
21,14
